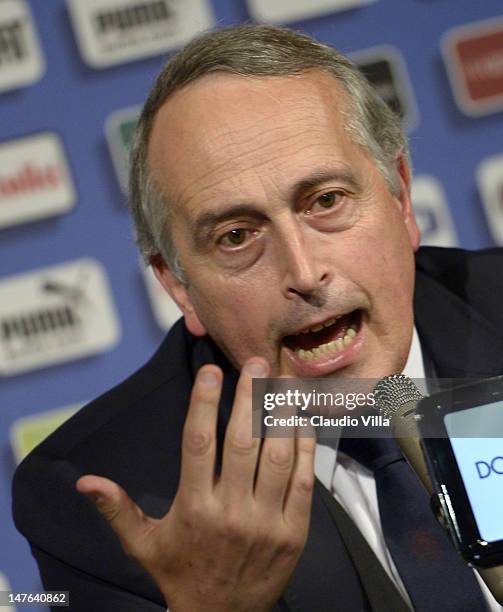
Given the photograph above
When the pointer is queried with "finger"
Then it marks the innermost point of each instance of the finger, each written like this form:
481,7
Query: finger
199,434
241,449
300,491
127,519
275,471
276,459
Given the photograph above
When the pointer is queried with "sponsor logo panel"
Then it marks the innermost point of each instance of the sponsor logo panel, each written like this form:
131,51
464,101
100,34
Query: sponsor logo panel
385,68
55,314
432,212
111,32
21,59
166,312
284,11
35,180
490,182
119,130
5,586
27,432
473,54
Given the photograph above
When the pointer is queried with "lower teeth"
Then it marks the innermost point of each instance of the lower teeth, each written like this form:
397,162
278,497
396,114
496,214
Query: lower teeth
336,346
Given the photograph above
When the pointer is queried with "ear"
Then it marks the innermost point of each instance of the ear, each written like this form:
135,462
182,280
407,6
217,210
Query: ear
405,202
178,291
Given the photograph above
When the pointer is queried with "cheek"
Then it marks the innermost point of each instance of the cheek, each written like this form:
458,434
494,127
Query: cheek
233,309
379,258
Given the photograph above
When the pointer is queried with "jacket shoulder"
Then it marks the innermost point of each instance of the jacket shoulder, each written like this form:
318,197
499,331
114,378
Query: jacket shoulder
132,398
132,435
476,277
121,435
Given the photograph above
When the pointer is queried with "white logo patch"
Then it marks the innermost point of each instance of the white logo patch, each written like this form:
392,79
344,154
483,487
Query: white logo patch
111,32
21,58
286,11
35,180
55,314
432,212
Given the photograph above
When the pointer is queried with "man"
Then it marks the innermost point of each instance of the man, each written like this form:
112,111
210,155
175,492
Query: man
270,191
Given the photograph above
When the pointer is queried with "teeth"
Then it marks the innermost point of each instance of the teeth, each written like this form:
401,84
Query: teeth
319,326
336,346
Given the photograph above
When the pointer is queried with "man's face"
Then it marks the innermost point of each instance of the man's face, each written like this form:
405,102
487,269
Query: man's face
293,246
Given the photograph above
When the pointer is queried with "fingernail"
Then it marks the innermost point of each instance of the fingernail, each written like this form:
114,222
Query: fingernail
255,369
208,378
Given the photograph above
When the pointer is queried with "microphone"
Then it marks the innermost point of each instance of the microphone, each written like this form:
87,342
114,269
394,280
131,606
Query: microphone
396,398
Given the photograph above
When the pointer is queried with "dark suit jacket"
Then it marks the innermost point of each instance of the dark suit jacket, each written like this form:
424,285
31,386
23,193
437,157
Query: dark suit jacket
132,435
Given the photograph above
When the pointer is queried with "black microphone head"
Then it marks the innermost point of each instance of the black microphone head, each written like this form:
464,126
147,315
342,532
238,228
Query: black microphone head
394,391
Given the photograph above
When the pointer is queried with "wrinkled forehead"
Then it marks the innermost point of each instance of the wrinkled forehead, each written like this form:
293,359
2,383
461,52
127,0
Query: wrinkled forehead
218,131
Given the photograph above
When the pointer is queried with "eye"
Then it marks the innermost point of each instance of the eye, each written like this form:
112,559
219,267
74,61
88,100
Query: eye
326,201
235,237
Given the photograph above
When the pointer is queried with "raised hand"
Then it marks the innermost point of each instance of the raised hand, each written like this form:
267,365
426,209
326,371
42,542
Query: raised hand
229,542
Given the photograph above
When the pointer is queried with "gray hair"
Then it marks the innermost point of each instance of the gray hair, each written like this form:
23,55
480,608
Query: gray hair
254,50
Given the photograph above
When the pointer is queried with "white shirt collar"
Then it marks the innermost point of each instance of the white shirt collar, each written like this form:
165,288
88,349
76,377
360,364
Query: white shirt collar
414,368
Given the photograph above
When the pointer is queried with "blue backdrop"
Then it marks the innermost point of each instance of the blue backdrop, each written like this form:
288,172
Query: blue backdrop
74,101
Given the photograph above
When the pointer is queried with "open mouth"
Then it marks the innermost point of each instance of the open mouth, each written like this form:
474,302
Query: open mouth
326,338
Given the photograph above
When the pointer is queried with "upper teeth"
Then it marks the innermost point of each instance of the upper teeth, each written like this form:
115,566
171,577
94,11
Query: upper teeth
319,326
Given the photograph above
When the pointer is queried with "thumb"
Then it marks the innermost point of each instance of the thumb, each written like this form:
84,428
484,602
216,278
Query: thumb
126,518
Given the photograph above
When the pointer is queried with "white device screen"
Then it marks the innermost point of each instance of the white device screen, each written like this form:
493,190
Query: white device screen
476,437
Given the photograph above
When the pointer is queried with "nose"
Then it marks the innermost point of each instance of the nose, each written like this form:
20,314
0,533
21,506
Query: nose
304,273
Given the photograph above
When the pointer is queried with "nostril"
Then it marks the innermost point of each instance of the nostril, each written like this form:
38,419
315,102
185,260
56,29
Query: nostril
307,284
315,298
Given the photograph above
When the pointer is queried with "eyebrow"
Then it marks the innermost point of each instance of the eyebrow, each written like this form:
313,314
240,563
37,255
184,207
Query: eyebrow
324,176
205,222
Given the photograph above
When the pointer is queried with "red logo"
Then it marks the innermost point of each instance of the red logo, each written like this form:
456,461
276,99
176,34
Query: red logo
30,178
482,62
474,56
